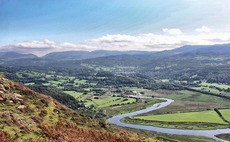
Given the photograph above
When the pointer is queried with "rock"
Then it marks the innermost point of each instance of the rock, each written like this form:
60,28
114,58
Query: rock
21,107
17,95
1,99
2,88
1,92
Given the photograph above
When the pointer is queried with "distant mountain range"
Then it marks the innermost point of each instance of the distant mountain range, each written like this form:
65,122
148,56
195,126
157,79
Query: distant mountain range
69,55
211,62
80,55
74,59
188,51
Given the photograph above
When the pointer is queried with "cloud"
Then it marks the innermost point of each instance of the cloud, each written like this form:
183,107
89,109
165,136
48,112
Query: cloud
123,42
203,29
157,42
41,48
172,31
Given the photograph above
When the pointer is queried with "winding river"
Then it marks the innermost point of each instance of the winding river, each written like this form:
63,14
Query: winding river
207,133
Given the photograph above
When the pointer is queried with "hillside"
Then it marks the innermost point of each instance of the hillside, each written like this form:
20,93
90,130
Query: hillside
30,116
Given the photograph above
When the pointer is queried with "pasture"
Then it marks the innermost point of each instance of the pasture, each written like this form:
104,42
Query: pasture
203,116
187,120
74,94
110,101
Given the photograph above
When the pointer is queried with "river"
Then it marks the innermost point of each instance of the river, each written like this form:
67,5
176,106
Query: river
207,133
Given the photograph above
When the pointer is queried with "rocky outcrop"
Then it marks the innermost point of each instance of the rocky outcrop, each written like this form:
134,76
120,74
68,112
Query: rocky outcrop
7,94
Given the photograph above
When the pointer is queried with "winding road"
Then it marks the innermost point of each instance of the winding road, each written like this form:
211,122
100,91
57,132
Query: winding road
207,133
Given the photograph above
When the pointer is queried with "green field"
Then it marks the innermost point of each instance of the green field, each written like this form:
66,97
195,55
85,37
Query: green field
140,104
185,96
210,87
110,101
222,86
189,120
74,94
224,136
78,81
226,114
196,97
203,116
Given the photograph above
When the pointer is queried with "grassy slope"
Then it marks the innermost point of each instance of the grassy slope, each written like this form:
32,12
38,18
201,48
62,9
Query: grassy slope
36,117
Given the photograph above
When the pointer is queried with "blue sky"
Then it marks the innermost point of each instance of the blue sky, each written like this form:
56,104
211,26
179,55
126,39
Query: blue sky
87,24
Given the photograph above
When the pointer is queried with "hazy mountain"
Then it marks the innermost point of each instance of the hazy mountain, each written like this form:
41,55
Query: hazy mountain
202,49
222,49
15,56
79,55
189,48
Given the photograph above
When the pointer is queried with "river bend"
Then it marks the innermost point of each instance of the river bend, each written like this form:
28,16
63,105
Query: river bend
207,133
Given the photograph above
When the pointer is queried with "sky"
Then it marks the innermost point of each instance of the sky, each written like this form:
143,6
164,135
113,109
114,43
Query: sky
44,26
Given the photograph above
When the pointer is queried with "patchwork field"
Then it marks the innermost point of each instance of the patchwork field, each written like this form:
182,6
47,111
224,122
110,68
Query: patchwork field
110,101
191,109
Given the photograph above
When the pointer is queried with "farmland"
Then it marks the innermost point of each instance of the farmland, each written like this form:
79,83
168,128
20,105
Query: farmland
104,94
189,120
203,116
226,114
191,110
75,94
213,88
110,101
